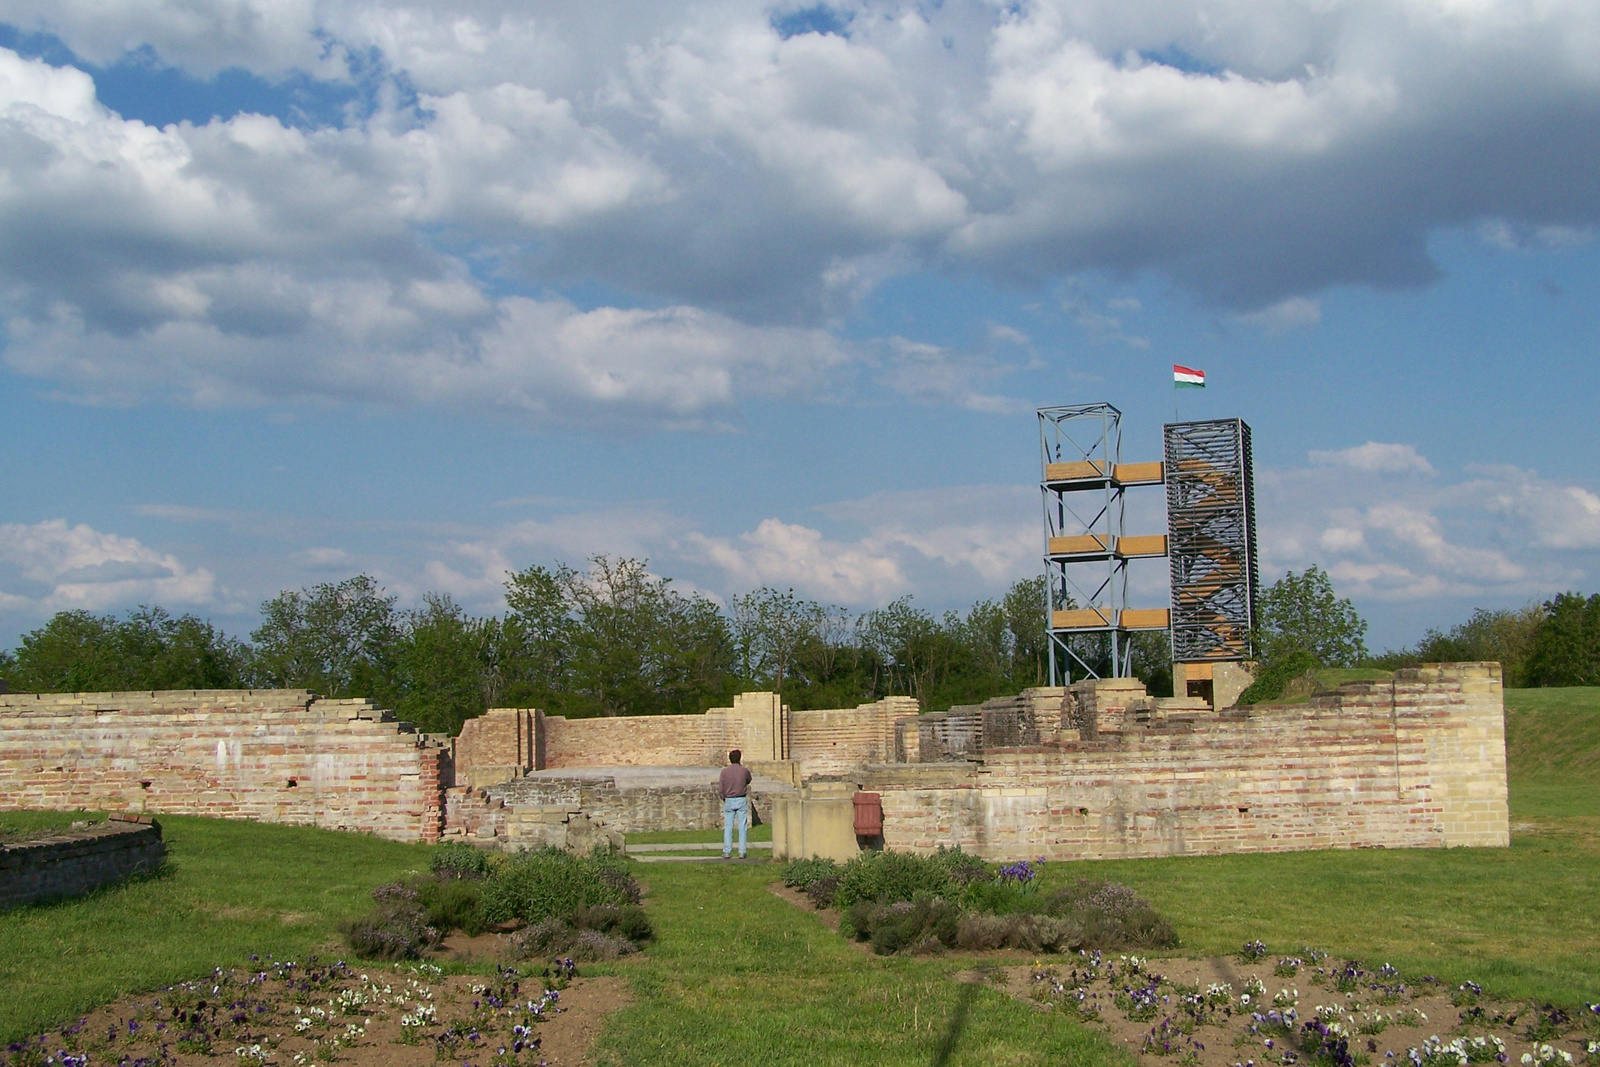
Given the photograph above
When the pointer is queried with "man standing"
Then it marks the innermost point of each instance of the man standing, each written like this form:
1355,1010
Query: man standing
733,786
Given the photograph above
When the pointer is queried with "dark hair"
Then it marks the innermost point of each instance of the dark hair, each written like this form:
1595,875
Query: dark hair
733,757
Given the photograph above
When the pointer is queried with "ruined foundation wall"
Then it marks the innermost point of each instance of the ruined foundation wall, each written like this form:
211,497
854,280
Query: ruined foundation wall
821,742
1414,763
74,862
271,755
631,810
839,740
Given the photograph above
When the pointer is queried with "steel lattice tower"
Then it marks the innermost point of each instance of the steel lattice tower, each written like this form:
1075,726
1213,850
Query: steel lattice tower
1211,524
1086,550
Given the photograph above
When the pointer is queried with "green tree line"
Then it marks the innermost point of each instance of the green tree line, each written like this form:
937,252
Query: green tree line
612,639
1305,626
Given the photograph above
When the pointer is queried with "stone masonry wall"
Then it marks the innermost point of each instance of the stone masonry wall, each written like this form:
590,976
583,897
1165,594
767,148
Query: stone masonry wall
75,862
271,755
493,746
1416,762
836,741
631,810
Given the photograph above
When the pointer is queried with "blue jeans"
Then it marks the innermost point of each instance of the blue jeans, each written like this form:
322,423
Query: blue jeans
735,810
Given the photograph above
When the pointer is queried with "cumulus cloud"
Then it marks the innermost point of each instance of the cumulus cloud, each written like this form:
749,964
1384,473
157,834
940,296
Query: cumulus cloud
1288,314
1501,533
57,567
1375,458
744,183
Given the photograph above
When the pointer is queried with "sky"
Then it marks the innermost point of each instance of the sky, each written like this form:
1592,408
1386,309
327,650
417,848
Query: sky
768,294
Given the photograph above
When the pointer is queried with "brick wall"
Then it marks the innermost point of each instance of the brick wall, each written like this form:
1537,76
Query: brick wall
74,862
837,741
270,755
1413,763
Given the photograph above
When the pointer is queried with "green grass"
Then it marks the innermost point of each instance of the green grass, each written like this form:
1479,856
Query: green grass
739,977
21,825
1553,751
1521,921
232,888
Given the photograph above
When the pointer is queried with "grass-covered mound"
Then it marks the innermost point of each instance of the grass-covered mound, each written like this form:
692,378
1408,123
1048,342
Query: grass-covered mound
905,902
585,907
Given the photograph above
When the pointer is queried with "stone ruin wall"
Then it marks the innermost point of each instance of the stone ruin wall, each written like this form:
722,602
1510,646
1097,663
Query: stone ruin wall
1101,770
77,861
1417,762
280,756
505,743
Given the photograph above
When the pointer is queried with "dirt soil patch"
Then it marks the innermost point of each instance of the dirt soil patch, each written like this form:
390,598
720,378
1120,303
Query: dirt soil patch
303,1014
1223,1012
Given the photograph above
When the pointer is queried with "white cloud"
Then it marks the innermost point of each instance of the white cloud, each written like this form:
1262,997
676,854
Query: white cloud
1256,152
57,567
781,554
1375,458
1502,534
1288,314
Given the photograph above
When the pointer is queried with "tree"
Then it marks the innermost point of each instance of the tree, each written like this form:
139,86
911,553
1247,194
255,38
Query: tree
439,666
624,641
1302,611
80,652
771,631
335,639
1566,650
1024,607
1303,625
1504,637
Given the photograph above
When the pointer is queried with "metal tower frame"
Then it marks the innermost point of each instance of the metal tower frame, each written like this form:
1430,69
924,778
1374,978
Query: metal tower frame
1080,449
1211,531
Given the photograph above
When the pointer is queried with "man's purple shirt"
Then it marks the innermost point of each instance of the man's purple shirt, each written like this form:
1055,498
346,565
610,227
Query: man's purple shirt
733,782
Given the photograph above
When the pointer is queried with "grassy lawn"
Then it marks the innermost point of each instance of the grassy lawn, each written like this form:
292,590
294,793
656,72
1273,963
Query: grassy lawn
233,888
738,976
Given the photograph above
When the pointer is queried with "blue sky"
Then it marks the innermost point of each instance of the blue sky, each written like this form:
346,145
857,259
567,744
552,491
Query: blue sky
768,293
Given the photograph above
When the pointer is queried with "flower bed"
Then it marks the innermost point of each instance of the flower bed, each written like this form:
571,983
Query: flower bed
292,1014
1303,1009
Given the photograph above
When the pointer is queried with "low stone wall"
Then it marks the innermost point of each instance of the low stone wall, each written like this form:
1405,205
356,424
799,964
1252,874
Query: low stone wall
631,806
272,755
75,862
1417,762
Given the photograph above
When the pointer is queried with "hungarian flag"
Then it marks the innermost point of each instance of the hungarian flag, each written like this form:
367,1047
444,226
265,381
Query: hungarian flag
1188,378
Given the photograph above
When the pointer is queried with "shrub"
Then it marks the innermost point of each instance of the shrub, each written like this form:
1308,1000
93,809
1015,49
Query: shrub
592,946
1000,898
629,921
1027,931
452,904
548,937
889,877
457,859
926,924
547,883
556,937
822,891
963,867
1112,916
398,929
801,874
